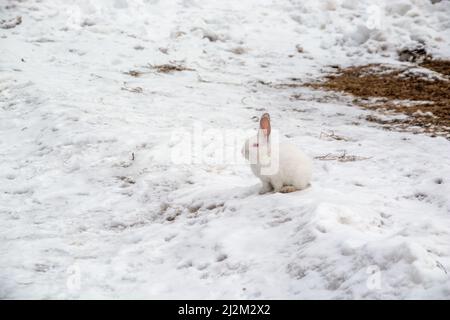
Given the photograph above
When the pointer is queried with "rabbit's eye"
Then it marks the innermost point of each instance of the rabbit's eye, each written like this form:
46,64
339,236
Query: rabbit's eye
256,145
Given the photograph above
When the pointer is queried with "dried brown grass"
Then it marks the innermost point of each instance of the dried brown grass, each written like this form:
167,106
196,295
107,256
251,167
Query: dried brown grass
425,100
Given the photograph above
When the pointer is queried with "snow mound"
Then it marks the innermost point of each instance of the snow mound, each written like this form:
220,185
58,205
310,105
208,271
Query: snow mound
364,28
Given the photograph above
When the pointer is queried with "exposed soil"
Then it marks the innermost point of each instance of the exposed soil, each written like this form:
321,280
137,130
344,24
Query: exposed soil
441,66
160,68
169,68
422,93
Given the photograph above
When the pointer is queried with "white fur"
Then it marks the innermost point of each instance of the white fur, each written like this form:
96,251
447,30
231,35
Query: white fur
294,170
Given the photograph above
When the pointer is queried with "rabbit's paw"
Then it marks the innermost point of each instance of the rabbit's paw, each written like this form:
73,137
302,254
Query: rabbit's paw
287,189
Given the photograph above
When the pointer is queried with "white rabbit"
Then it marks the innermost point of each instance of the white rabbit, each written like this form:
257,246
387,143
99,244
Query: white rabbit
282,167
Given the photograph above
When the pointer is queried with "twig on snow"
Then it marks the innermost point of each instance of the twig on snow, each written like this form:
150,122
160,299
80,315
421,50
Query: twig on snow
341,158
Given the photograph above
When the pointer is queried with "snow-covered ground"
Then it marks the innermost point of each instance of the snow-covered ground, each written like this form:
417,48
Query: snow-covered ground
80,218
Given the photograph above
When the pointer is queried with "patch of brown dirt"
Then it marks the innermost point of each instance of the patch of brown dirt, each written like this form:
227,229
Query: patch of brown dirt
440,66
135,73
420,94
169,68
160,68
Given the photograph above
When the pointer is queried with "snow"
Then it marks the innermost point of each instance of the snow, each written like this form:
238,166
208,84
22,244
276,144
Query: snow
81,219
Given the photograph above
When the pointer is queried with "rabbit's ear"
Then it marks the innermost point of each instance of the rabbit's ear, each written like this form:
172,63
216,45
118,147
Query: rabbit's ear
264,124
